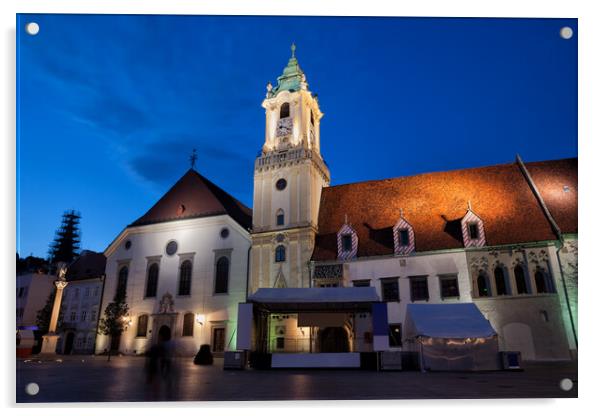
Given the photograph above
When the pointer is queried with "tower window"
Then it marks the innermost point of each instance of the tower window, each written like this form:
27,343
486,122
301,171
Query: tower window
312,117
285,110
280,254
280,217
346,242
281,184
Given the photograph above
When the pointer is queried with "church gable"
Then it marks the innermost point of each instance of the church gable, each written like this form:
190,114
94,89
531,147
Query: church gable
195,196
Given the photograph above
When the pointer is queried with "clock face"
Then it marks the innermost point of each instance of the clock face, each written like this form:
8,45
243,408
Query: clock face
285,127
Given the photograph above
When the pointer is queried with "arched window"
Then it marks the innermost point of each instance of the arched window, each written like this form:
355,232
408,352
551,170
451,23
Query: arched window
222,269
185,278
280,217
482,285
285,110
312,117
540,282
142,326
521,282
188,325
280,254
500,281
151,281
122,282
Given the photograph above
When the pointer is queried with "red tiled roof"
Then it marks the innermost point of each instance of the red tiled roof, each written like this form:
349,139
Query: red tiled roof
434,204
88,265
551,179
195,196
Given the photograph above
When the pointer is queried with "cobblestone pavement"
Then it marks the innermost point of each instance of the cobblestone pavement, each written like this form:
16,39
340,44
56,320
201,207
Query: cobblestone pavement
93,379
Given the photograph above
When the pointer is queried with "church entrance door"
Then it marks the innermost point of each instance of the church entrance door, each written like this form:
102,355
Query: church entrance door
164,333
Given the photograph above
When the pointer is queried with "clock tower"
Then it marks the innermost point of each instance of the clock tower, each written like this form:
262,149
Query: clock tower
289,176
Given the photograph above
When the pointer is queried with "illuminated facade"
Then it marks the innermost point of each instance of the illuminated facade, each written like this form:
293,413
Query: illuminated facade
496,236
289,176
183,267
502,237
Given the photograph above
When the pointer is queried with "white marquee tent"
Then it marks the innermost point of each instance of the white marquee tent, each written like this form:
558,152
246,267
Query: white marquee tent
454,336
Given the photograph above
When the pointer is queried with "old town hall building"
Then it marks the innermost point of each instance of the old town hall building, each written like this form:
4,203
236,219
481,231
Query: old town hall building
502,239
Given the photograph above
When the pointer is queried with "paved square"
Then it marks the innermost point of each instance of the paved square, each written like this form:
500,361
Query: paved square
93,379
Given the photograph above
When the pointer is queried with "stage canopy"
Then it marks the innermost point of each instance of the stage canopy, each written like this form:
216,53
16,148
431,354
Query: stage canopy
315,298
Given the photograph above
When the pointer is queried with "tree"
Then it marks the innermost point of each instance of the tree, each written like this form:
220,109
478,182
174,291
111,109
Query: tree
114,321
32,264
67,239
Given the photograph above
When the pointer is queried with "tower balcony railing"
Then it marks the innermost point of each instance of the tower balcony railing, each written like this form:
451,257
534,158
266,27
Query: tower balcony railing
291,155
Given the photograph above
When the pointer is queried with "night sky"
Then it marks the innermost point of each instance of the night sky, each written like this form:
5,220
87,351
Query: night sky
110,107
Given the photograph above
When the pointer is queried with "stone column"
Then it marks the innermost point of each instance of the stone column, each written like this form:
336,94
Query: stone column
50,339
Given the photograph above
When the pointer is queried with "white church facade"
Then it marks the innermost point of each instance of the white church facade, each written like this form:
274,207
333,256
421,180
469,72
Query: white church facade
315,268
183,267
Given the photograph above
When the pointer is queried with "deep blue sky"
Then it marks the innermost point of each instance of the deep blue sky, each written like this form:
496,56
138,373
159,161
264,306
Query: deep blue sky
109,107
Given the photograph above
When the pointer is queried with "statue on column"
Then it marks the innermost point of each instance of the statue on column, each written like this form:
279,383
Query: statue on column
49,340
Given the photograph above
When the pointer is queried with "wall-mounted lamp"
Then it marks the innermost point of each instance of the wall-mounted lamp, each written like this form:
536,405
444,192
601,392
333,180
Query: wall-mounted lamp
200,318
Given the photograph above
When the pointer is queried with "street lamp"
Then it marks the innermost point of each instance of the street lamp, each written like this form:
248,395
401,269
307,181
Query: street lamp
200,318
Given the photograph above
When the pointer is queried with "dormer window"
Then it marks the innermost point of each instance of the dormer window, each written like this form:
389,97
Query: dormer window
285,110
347,242
403,237
473,230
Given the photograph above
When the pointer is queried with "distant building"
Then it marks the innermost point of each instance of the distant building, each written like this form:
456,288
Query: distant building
33,290
81,303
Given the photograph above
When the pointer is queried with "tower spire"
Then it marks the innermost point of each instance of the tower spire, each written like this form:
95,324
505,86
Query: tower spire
293,49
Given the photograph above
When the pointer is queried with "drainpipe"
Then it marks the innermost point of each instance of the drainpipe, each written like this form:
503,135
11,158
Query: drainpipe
559,236
248,262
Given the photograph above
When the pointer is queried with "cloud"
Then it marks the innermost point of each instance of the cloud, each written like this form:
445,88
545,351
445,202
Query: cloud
166,159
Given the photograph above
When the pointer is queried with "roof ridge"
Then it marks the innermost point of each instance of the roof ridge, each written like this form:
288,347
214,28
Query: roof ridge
448,171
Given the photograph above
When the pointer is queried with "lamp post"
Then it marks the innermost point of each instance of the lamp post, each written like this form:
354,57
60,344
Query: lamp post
49,340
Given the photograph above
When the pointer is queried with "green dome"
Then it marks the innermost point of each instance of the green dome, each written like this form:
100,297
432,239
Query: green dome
292,78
